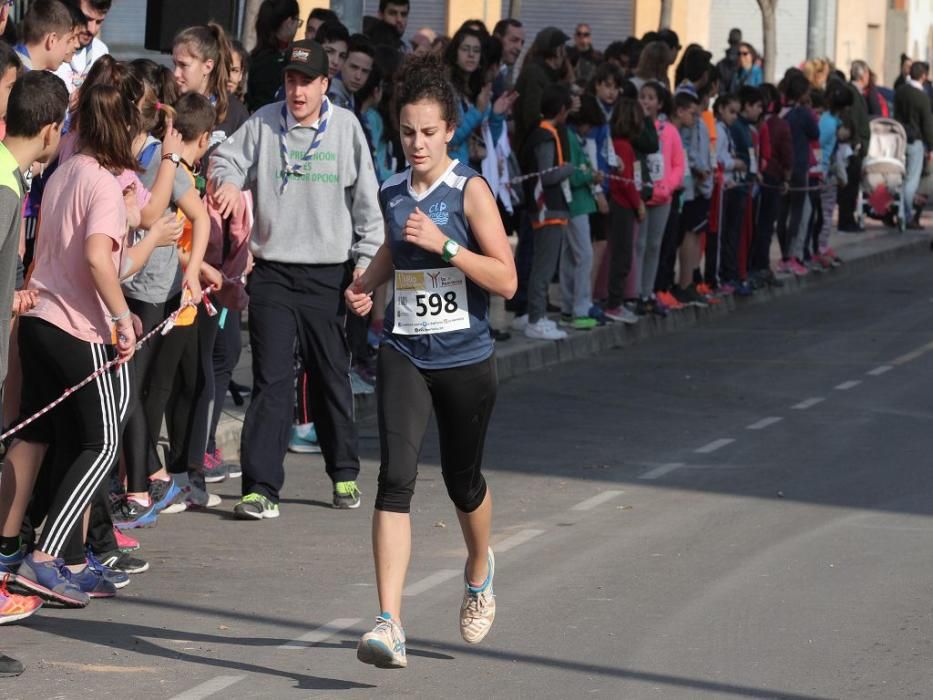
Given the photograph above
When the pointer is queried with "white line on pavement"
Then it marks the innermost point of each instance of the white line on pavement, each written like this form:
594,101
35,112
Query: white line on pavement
714,445
851,384
808,403
912,355
322,633
430,581
516,540
878,371
764,423
208,688
597,500
663,470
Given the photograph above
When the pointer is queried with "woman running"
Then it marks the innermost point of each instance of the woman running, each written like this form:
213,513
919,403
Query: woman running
447,250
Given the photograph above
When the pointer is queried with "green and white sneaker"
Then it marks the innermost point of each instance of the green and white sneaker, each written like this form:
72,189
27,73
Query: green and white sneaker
346,495
478,609
384,647
255,506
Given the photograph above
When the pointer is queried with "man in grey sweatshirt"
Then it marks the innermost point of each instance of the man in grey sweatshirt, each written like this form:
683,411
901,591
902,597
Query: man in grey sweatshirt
318,224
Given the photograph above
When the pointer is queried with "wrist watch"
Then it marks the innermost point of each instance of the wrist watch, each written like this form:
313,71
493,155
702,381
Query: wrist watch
451,248
174,157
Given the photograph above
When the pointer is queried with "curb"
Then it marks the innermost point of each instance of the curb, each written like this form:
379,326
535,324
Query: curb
516,361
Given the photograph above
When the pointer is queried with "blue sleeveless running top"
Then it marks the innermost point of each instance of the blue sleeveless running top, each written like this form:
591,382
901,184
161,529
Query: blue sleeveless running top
443,203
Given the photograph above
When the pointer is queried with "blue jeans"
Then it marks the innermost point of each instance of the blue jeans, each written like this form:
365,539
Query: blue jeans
915,157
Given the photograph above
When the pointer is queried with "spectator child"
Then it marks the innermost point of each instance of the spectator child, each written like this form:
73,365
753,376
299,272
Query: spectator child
335,38
48,35
576,258
745,142
549,195
239,70
776,165
838,99
804,130
625,204
354,73
666,170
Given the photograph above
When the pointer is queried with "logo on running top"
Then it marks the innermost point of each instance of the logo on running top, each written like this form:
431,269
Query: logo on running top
396,201
438,213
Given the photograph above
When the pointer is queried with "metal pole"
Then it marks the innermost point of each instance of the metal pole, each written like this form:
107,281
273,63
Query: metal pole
817,30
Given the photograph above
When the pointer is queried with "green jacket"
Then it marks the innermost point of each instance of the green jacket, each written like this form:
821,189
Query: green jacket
581,182
912,109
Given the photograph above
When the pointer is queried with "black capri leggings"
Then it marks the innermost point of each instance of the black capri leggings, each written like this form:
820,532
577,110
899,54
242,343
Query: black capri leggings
462,399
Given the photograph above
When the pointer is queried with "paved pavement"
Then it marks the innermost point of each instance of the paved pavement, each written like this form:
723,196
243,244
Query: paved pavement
734,510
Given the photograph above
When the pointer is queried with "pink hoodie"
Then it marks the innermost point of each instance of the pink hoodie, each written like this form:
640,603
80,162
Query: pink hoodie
672,153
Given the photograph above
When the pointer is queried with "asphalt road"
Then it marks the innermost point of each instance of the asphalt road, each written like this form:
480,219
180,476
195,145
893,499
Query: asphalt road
735,511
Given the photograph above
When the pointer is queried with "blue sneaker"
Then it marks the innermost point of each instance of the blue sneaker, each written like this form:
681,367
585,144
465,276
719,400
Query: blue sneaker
161,493
744,289
600,315
9,563
128,514
51,580
304,440
93,582
119,579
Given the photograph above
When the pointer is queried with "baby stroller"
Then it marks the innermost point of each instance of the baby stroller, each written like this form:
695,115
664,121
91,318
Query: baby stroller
884,171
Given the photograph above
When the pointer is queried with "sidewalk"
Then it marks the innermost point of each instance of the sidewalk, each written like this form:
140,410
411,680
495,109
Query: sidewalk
519,355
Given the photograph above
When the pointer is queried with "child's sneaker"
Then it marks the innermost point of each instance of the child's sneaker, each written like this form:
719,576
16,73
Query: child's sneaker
304,440
384,646
9,563
125,543
798,268
478,610
51,580
213,470
621,315
234,470
543,329
13,607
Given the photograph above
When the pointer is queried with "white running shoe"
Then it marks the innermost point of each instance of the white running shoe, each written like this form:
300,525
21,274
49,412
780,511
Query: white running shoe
544,329
384,647
478,609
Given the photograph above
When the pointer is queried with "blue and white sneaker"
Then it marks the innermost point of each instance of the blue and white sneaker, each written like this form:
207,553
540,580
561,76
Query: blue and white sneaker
304,440
478,609
600,315
9,563
163,492
384,647
119,579
51,580
127,514
93,582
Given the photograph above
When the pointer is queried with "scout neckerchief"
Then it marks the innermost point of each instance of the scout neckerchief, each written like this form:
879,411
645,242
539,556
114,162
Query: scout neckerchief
298,169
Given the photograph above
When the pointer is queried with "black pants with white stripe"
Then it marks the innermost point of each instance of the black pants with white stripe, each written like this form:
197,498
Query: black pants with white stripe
52,361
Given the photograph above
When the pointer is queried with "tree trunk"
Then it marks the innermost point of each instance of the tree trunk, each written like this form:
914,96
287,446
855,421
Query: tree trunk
249,23
769,32
667,14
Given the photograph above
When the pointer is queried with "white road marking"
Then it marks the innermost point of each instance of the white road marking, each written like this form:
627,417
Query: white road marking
322,633
208,688
516,540
663,470
912,355
714,445
597,500
430,581
851,384
878,371
808,403
764,423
